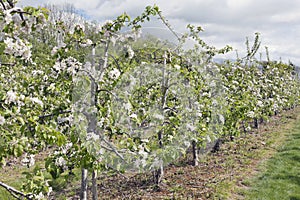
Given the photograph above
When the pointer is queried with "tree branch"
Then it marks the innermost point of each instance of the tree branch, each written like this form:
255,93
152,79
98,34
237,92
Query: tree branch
8,64
10,3
54,114
168,25
14,192
3,5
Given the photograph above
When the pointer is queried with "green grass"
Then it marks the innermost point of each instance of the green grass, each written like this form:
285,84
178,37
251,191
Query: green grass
13,178
280,175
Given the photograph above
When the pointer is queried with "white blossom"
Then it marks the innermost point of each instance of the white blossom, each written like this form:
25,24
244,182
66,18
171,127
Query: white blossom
248,128
199,114
101,122
87,43
2,120
8,17
250,114
40,196
207,119
130,53
61,120
11,97
66,147
45,77
54,51
259,103
186,143
52,86
18,48
129,50
108,22
37,72
177,67
145,140
275,107
36,100
122,38
60,162
133,116
28,160
127,106
57,66
206,94
114,74
49,191
214,101
70,64
79,26
92,136
69,145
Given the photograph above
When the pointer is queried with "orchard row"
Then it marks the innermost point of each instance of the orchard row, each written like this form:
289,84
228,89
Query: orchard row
101,98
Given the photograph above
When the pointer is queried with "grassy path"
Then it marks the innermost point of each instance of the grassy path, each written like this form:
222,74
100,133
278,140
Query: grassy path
279,176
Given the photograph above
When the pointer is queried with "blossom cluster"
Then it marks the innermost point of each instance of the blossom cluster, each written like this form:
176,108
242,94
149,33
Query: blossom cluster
18,48
114,74
129,51
28,160
92,136
11,97
70,64
86,43
36,101
2,120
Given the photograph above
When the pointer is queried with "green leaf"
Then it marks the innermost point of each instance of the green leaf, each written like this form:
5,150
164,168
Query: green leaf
21,120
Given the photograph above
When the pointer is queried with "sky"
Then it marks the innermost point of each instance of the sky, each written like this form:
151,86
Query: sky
225,22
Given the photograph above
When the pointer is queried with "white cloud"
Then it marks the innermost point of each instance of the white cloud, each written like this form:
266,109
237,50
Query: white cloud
292,17
237,4
224,21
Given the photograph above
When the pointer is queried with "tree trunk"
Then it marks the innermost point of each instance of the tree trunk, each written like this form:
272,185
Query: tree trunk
195,153
84,184
158,174
256,123
94,185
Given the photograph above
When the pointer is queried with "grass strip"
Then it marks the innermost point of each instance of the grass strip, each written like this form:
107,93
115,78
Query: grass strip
279,176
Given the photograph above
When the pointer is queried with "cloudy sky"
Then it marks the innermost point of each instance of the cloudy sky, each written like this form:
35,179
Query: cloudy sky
224,21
